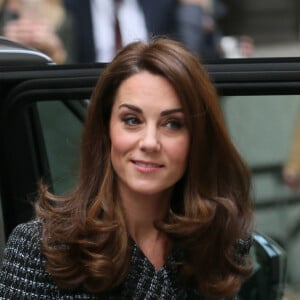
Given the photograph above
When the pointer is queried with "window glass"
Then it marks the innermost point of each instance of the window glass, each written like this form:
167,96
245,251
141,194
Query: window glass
62,130
263,129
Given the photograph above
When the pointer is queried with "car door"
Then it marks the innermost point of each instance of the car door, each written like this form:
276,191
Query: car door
42,111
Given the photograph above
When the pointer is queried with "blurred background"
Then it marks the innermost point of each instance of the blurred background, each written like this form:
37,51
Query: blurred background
84,31
272,24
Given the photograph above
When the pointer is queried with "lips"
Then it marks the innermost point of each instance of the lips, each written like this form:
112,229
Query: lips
146,165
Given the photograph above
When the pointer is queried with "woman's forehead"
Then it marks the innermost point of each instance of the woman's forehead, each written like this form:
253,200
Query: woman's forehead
147,89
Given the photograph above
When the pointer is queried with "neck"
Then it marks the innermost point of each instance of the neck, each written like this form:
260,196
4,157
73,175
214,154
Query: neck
142,211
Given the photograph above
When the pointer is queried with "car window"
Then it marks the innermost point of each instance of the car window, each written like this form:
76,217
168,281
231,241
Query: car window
62,129
263,128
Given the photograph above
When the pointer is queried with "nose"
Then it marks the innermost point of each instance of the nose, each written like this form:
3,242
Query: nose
149,141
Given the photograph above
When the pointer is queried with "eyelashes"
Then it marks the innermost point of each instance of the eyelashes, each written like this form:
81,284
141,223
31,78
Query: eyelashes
174,124
169,123
131,120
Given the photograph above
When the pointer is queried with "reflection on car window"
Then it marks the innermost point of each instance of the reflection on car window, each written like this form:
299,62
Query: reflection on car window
263,128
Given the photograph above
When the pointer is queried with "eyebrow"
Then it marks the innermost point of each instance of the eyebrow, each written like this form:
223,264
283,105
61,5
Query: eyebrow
131,107
138,110
171,111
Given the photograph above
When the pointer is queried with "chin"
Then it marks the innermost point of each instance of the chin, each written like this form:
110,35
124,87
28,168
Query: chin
151,191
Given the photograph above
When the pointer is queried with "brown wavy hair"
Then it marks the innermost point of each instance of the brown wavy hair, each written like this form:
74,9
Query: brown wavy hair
85,238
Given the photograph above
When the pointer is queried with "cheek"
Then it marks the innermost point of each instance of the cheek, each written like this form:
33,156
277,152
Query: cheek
178,151
117,148
117,152
120,141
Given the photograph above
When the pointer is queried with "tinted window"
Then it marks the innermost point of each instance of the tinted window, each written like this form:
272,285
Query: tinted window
263,128
62,132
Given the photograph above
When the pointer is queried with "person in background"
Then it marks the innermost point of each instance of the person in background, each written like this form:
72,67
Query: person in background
192,22
161,209
40,24
198,29
102,27
238,47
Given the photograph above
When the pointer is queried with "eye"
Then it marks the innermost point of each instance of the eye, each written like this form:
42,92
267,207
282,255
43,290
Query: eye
131,120
174,124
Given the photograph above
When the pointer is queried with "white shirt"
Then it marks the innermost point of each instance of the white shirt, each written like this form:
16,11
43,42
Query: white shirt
132,26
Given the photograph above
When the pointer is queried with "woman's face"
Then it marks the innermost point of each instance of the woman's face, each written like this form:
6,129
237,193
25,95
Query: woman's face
149,137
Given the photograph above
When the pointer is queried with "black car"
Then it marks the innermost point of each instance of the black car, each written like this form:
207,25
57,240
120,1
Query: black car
42,110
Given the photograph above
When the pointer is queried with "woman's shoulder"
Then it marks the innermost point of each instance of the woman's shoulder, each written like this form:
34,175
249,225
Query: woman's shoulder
24,241
32,226
23,273
30,231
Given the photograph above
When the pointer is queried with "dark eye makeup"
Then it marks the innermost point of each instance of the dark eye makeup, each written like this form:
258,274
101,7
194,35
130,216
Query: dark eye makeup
131,120
174,124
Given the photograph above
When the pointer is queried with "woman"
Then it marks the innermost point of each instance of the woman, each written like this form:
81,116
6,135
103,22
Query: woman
161,209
